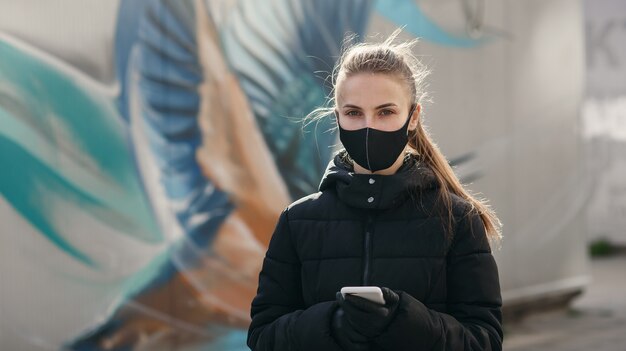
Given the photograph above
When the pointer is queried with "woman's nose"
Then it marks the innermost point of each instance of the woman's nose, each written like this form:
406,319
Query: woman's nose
370,122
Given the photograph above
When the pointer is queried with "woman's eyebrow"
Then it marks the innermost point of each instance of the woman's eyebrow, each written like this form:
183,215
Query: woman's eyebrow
387,105
377,107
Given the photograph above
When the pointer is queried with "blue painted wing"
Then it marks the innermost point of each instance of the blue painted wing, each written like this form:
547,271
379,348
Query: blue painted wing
164,73
274,47
283,51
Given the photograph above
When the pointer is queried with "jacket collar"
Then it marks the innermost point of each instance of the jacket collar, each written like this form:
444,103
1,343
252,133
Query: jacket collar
375,191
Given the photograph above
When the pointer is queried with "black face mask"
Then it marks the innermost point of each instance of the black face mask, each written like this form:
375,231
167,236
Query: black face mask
375,149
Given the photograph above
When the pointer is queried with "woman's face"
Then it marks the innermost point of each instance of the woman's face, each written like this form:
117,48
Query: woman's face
374,100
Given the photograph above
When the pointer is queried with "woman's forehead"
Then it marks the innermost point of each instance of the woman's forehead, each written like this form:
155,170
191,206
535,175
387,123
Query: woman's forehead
371,90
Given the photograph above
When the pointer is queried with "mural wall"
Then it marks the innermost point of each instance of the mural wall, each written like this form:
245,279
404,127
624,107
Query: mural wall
137,199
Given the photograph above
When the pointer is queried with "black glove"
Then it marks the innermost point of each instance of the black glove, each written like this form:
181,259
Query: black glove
344,334
370,318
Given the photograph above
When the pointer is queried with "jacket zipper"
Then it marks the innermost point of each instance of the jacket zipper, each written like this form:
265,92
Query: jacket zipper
367,254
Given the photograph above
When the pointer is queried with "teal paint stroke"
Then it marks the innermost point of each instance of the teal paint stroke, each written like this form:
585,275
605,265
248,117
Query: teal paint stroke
408,14
22,183
227,339
61,143
234,340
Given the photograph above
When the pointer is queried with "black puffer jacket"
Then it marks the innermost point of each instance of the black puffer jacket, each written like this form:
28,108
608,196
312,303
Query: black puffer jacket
385,231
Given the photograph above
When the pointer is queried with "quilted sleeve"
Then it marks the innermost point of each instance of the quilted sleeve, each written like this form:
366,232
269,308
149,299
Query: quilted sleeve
280,320
473,320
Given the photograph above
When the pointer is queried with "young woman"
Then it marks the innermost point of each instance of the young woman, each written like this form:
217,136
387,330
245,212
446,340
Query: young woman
389,213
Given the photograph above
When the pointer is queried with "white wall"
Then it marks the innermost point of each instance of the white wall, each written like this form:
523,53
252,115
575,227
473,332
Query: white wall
604,118
513,104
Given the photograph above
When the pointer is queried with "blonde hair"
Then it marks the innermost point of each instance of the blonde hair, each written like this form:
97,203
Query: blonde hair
397,59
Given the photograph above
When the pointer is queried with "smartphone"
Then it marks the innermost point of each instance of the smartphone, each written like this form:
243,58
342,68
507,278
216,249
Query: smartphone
372,293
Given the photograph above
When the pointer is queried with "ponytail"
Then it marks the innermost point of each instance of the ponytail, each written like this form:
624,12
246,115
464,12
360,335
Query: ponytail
429,153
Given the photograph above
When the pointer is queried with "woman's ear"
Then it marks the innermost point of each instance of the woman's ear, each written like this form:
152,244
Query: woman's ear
415,116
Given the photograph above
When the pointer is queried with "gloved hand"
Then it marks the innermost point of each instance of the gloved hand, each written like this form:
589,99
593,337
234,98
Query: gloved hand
345,335
369,318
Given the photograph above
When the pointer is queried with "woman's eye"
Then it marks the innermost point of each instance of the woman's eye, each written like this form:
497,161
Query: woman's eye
386,112
352,113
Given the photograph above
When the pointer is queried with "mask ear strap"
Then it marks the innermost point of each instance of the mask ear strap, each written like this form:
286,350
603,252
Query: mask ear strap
408,120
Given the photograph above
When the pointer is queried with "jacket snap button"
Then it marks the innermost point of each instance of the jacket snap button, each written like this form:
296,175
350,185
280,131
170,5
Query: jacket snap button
372,181
370,199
